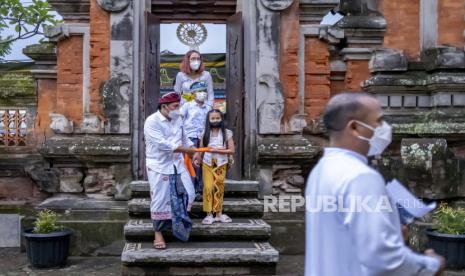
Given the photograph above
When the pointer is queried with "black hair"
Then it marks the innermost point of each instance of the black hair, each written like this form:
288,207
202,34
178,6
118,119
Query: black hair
206,136
343,108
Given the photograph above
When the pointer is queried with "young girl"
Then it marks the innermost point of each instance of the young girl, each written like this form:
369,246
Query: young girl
214,168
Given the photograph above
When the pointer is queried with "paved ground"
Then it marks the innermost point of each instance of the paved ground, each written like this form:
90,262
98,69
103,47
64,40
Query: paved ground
13,263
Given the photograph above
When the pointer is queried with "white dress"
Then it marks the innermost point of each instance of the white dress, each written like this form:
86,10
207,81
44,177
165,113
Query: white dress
183,81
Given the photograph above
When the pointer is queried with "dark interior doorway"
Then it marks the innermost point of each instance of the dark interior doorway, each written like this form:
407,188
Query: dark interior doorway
206,11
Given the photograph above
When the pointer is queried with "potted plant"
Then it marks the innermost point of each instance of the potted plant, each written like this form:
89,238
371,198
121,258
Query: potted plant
447,237
47,244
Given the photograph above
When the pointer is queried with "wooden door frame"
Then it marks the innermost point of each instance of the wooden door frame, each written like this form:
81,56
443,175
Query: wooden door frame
249,168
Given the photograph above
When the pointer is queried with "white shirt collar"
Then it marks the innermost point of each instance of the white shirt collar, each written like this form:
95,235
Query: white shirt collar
333,150
161,116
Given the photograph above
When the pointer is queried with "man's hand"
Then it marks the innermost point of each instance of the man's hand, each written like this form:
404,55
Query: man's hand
405,233
197,159
442,261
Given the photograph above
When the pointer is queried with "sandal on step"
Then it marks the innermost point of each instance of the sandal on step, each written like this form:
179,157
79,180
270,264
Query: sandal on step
159,245
208,220
223,218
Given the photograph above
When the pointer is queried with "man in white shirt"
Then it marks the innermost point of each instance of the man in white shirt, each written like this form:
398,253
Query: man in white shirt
343,238
165,144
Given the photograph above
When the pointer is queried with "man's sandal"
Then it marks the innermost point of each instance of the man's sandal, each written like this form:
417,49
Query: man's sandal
159,245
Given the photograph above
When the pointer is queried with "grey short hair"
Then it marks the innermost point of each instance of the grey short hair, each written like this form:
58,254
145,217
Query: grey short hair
342,108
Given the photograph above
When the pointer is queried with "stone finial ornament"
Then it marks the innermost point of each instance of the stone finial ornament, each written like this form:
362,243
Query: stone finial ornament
113,5
60,124
277,5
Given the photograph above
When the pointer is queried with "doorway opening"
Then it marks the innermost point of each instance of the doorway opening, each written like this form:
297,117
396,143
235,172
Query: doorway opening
224,64
207,38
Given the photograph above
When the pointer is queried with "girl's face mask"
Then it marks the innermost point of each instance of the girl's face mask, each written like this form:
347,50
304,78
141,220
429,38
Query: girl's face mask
216,123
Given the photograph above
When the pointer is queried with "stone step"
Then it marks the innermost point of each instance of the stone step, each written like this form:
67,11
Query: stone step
200,258
232,188
235,207
239,229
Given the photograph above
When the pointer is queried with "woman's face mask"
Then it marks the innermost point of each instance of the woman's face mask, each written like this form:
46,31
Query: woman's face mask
382,137
195,65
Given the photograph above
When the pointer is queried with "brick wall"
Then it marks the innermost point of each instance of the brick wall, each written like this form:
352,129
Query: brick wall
317,73
46,104
403,25
451,22
99,54
289,60
357,71
69,78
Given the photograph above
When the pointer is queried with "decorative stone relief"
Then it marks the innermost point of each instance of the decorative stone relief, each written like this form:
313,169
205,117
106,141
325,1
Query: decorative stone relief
60,124
277,5
115,104
70,180
113,5
387,60
271,110
91,124
48,180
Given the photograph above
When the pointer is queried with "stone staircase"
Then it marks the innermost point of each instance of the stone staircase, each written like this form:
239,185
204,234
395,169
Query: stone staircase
237,248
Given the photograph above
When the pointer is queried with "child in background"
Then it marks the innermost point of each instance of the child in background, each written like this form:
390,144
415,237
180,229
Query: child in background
215,164
194,115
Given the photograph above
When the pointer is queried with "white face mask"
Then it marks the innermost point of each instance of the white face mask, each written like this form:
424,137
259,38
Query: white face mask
174,114
382,137
200,96
195,65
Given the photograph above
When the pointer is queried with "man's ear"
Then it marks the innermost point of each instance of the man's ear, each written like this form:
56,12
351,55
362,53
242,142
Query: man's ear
352,127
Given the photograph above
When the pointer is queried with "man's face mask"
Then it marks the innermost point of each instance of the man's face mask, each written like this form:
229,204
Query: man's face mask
173,113
382,137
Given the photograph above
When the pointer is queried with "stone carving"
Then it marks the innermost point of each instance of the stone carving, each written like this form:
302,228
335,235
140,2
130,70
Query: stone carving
48,180
60,124
443,57
70,180
270,112
388,60
277,5
91,124
113,5
359,7
114,99
288,180
427,166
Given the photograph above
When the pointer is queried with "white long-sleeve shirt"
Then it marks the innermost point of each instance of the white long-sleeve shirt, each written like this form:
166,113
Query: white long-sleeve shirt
194,117
204,77
162,138
350,241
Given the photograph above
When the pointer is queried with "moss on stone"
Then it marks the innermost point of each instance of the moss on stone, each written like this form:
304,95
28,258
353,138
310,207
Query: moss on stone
16,84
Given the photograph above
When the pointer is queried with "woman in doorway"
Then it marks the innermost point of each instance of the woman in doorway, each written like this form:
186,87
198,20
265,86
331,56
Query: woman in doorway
192,70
